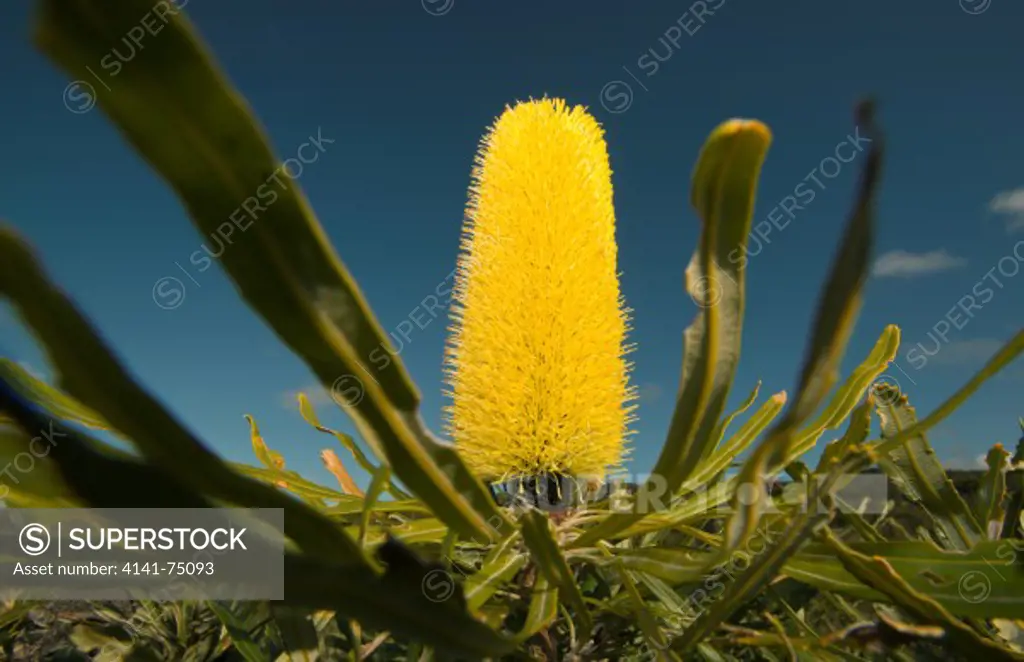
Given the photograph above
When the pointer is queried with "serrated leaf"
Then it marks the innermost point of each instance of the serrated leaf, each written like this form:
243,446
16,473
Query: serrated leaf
921,475
878,573
722,192
984,582
298,485
722,458
263,453
309,415
856,432
354,505
1006,354
418,531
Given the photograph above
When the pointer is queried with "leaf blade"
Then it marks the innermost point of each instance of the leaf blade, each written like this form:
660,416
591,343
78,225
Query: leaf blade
181,114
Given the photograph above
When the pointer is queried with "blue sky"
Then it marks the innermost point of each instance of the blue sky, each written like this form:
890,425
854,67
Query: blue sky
406,90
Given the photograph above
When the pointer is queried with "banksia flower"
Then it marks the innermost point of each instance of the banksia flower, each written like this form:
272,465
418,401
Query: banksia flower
535,360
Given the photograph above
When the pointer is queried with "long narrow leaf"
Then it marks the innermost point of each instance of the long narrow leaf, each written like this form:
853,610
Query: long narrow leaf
918,471
647,622
59,404
990,503
90,373
548,556
762,569
880,575
496,570
543,608
1006,354
723,189
183,117
839,304
704,499
722,193
241,641
719,432
985,582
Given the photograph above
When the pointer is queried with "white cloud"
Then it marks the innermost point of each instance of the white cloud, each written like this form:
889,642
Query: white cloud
967,352
1010,205
903,264
317,394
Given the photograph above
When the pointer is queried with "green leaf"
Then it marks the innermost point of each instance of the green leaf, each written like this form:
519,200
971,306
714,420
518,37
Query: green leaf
309,415
59,404
646,621
708,498
425,530
111,648
241,641
992,492
44,482
184,118
719,433
675,566
678,610
297,484
722,192
377,485
90,373
856,432
984,582
394,601
86,469
500,566
916,469
723,189
762,568
543,608
260,449
722,458
14,612
839,304
1006,354
354,505
538,536
878,573
850,394
298,634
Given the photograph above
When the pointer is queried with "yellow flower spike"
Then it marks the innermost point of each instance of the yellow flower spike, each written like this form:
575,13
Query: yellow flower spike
535,361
